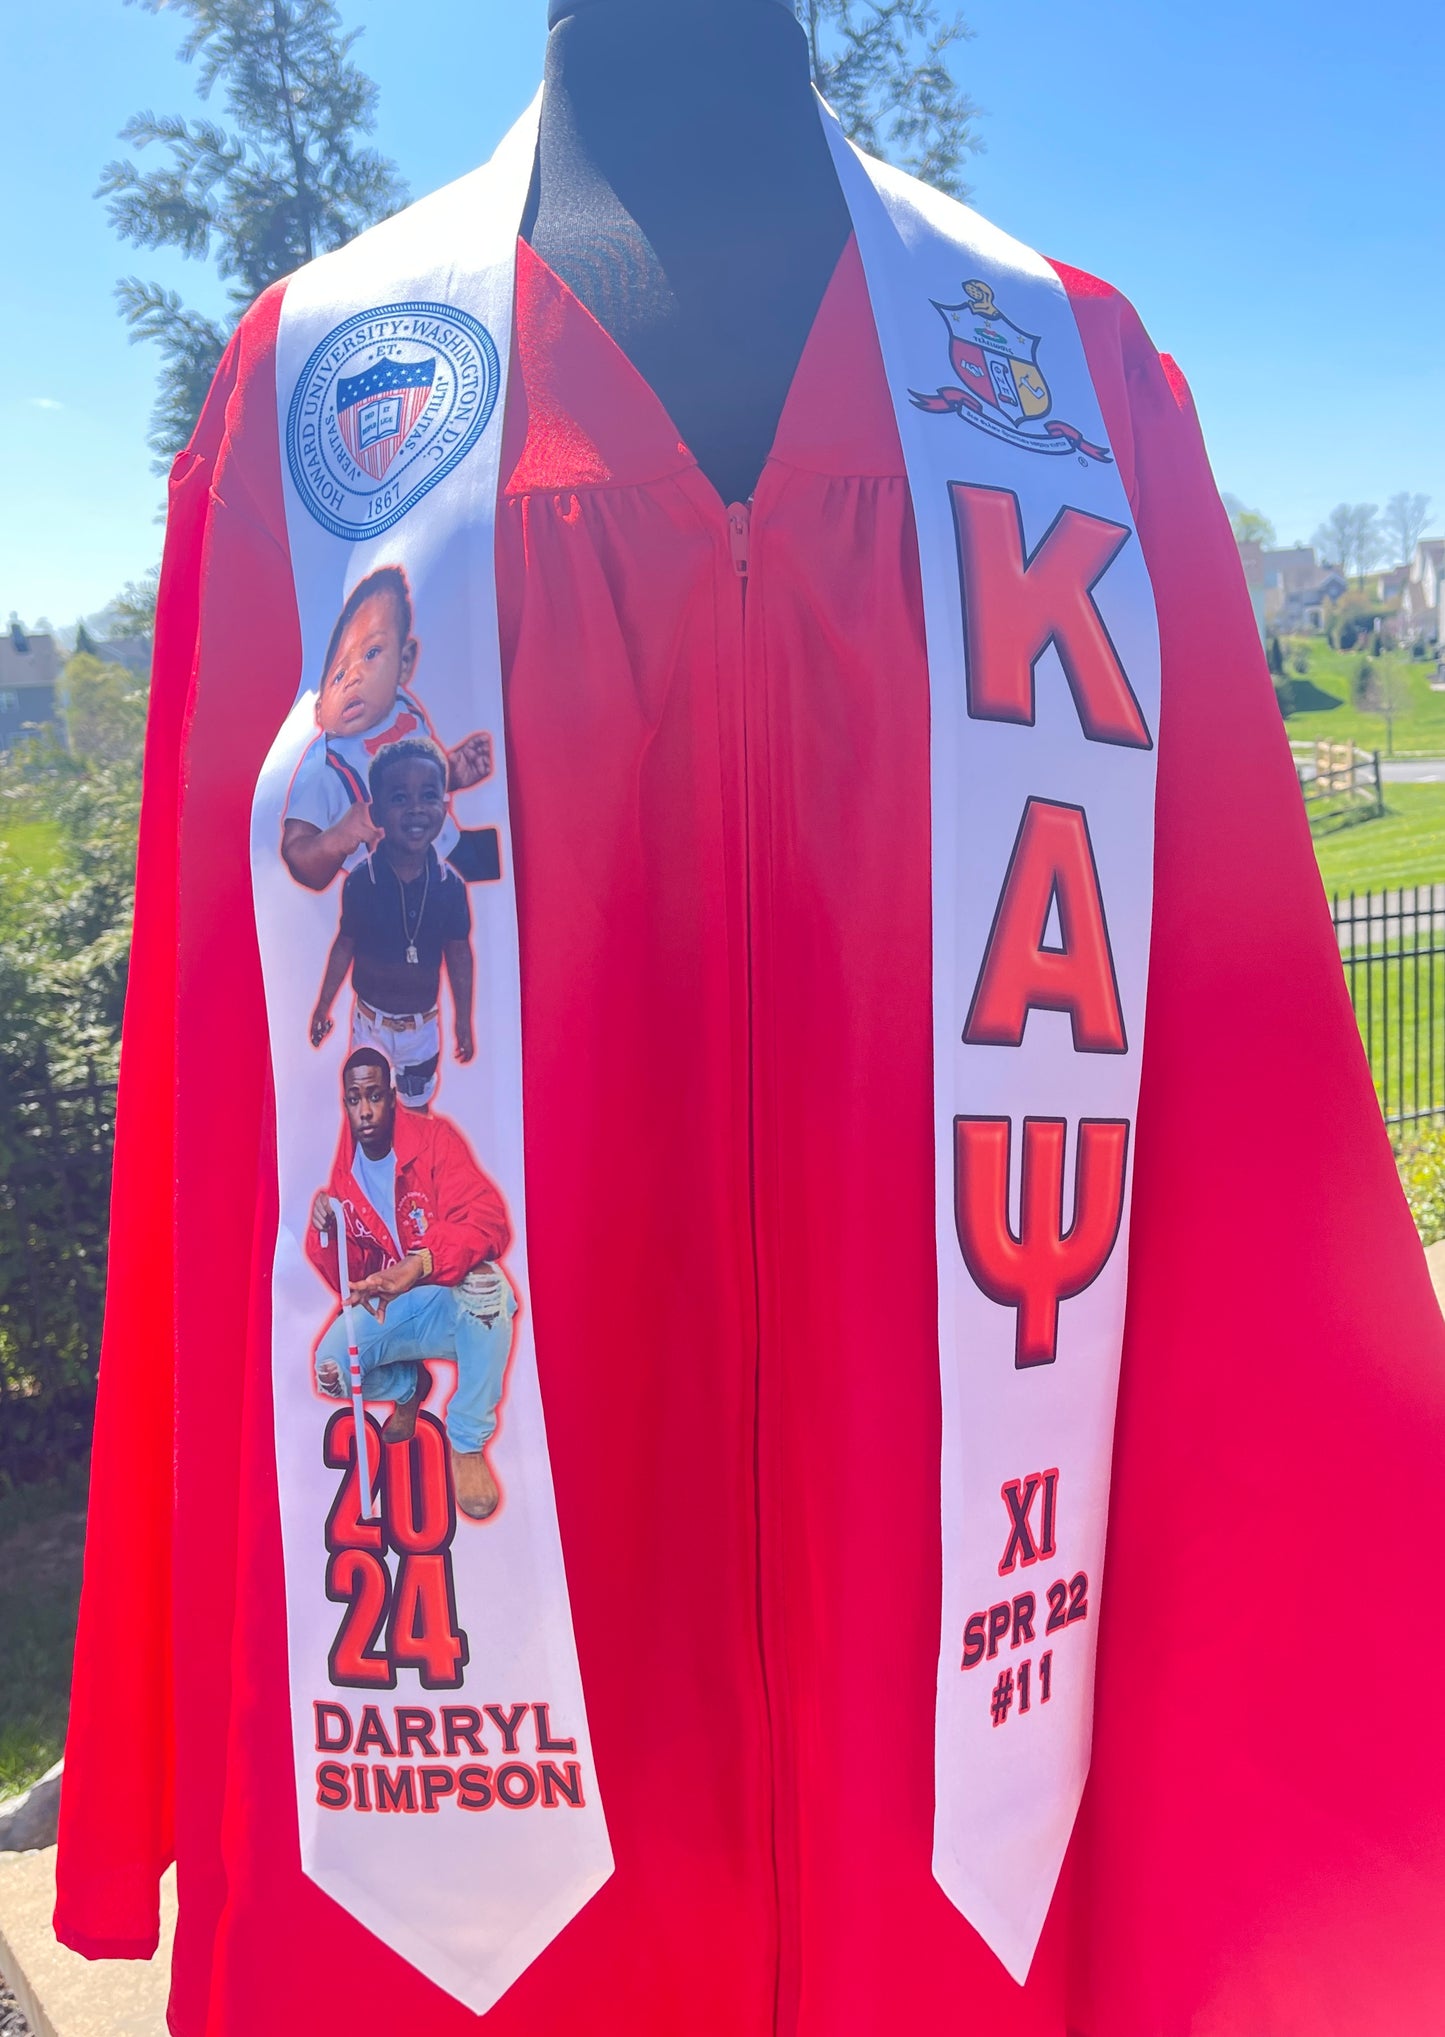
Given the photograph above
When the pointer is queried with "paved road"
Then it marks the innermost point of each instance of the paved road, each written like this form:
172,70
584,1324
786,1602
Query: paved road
1413,770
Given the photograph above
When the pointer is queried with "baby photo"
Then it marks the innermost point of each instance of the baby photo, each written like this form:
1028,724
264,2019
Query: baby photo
363,705
404,915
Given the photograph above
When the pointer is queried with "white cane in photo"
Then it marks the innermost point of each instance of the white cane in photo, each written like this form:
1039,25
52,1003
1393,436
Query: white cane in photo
353,1359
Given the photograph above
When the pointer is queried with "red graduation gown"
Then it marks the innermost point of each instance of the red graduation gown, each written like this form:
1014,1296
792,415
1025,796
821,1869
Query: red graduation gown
721,844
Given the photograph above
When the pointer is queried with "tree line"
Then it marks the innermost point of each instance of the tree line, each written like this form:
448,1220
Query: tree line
288,174
1355,537
285,174
69,806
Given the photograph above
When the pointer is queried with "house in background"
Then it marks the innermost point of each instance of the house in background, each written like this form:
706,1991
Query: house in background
1284,572
1287,587
1251,557
134,653
1304,608
1420,618
1291,591
30,668
32,675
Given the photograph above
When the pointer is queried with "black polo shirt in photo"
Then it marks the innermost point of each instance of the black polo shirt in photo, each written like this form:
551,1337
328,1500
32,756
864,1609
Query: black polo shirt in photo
387,919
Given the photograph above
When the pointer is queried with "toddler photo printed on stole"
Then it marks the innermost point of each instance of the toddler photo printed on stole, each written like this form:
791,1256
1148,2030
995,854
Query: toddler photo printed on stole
371,796
404,915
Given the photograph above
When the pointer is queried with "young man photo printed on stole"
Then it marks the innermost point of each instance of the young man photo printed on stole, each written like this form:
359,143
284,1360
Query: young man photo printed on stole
404,914
365,701
426,1231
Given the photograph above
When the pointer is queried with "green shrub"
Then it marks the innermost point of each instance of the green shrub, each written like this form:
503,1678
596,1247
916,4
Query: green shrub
64,949
1302,696
1421,1160
42,1529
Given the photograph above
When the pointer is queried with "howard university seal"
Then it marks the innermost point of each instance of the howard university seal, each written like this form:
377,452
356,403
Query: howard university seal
388,404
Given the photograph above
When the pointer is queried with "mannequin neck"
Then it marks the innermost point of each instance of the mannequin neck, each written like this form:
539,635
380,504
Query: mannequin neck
715,92
686,194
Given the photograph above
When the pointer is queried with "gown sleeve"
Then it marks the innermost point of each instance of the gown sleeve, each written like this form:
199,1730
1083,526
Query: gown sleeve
118,1798
1265,1823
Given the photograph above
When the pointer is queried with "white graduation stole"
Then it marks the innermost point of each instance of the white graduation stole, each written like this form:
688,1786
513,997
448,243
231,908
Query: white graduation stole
419,1642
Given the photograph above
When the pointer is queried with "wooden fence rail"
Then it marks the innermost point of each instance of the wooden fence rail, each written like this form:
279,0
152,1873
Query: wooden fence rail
1340,784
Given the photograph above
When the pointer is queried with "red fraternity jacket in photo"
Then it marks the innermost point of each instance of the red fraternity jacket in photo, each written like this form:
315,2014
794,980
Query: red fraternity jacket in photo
722,855
444,1204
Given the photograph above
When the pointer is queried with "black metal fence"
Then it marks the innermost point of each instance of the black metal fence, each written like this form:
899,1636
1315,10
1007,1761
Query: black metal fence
1392,944
55,1155
56,1141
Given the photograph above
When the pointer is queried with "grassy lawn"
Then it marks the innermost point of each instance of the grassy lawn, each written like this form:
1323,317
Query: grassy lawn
1406,847
1398,984
1419,730
42,1531
1398,991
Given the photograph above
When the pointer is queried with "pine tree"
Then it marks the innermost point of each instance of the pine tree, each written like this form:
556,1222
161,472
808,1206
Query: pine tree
286,180
133,610
883,66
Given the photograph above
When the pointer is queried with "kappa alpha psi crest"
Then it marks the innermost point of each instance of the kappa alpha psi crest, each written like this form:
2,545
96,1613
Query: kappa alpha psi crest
1001,387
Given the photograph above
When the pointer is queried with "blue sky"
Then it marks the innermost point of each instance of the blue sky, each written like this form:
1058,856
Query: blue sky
1264,181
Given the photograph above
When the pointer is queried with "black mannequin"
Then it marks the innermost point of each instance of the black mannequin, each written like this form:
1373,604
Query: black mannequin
686,195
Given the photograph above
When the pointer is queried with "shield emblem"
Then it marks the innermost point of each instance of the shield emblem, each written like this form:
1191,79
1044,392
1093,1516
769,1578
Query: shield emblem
994,359
376,409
